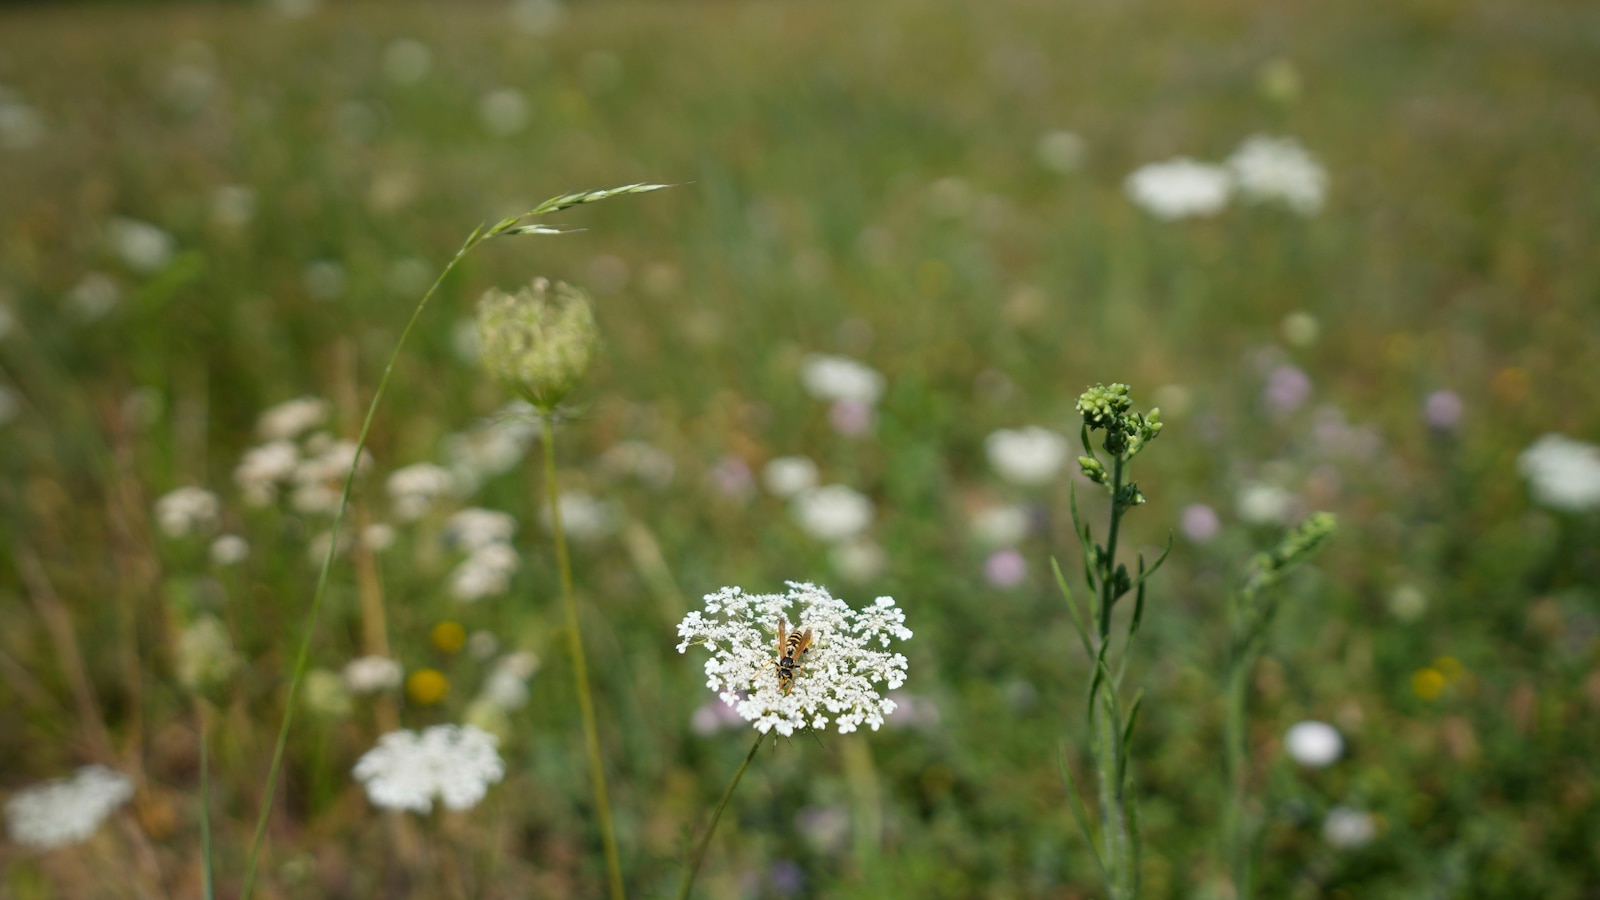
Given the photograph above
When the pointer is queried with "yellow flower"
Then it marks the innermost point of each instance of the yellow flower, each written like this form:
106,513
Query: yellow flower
1428,683
449,636
427,686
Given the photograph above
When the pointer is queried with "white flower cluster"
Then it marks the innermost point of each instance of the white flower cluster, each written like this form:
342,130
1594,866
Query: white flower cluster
485,535
839,678
186,511
786,476
413,489
1028,457
835,378
455,763
1562,473
314,469
67,810
833,512
492,447
370,674
1263,170
584,518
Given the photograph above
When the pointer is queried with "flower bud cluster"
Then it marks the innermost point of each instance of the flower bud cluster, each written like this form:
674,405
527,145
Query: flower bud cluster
1108,408
540,341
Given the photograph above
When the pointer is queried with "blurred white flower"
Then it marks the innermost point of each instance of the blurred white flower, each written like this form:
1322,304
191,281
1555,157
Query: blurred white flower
1348,829
785,476
326,694
537,17
205,654
827,377
1028,457
486,573
233,205
1005,525
319,478
840,675
371,674
95,295
1407,602
141,246
1300,329
832,512
263,469
378,537
1562,473
1061,151
66,811
290,419
1279,170
407,61
474,528
454,763
504,111
186,511
583,518
413,489
493,447
858,559
229,550
1259,503
20,126
1179,188
637,459
1315,745
507,684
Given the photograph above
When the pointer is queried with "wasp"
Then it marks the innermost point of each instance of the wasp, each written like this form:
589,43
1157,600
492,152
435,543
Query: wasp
792,648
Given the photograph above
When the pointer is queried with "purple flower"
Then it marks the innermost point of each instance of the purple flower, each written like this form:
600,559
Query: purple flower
1287,390
1442,410
787,878
1199,523
1005,568
851,418
732,478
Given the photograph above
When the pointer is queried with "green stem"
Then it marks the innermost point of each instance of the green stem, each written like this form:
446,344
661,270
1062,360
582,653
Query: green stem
1107,725
304,656
705,840
1106,580
591,733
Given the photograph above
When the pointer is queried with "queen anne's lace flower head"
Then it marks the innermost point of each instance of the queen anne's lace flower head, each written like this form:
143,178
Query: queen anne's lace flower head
455,763
68,810
843,678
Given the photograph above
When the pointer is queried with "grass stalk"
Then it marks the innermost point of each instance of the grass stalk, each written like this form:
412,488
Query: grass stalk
716,816
580,667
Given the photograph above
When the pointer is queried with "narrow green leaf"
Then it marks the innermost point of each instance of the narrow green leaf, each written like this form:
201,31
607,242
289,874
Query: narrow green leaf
537,228
1127,735
1072,607
1080,812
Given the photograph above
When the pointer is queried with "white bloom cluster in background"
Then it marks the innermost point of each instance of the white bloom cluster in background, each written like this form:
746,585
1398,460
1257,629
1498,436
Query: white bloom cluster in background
319,476
186,511
1347,828
785,476
828,377
1263,170
292,418
485,535
1028,457
413,489
370,674
141,246
833,512
68,810
453,763
1180,188
1562,473
1279,170
492,447
1313,744
584,518
838,680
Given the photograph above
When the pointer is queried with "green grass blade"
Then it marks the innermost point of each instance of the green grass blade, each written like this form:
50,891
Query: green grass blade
1080,812
1072,607
207,885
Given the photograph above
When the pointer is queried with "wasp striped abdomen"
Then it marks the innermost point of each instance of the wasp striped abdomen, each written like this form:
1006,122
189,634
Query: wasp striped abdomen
792,648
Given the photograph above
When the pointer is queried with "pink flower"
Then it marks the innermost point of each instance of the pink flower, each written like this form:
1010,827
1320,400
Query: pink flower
851,418
1442,410
1005,568
1199,523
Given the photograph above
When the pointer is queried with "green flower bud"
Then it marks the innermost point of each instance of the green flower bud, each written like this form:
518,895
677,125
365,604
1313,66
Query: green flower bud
1104,404
1093,469
540,341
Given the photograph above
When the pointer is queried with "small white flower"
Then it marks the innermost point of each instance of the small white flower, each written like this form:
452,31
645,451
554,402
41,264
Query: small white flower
1315,745
1061,151
858,560
140,245
840,677
454,763
68,810
378,537
371,674
583,517
205,654
786,476
95,295
827,377
1279,170
1259,503
1028,457
187,510
486,573
1179,188
290,419
263,469
493,447
833,512
507,685
1001,526
1348,828
1562,473
474,527
504,112
233,205
229,550
414,488
319,478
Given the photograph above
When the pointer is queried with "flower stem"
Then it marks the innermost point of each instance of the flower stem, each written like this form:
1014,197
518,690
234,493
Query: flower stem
591,734
716,815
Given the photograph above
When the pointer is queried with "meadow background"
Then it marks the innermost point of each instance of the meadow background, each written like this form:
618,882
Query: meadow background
874,180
